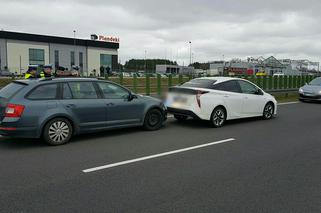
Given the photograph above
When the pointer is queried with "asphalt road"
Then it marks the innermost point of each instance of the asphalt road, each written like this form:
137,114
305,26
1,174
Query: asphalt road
271,166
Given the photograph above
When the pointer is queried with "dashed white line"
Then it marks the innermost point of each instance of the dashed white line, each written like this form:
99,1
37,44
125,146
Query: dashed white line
108,166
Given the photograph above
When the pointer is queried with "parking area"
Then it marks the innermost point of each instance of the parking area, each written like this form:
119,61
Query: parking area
248,165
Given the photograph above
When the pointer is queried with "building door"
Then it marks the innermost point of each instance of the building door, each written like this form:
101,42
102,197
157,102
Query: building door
105,63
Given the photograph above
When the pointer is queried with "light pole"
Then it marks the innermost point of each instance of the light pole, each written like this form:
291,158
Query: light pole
190,53
74,37
145,62
74,56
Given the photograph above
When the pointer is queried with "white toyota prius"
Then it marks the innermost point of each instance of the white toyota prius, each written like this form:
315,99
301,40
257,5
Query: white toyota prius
218,99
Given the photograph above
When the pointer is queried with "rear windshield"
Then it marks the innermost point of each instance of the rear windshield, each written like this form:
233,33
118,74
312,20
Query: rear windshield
316,82
200,83
10,90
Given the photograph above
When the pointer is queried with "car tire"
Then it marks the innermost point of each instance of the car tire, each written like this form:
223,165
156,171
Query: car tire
268,111
153,120
57,132
218,117
180,117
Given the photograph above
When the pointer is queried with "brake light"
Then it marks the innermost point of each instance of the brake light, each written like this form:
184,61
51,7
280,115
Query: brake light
14,110
198,97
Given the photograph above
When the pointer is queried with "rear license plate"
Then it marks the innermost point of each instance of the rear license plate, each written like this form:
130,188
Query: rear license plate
180,99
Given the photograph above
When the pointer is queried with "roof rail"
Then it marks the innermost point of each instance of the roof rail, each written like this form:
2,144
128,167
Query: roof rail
46,79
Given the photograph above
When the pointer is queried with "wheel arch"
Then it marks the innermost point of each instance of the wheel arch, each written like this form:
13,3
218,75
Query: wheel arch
151,108
219,106
72,122
270,102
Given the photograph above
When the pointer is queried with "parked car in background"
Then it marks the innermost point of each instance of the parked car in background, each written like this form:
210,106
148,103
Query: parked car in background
218,99
5,73
278,74
261,74
57,109
311,91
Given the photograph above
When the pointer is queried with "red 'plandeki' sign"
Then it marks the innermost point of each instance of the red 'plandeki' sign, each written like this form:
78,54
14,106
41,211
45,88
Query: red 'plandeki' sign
108,39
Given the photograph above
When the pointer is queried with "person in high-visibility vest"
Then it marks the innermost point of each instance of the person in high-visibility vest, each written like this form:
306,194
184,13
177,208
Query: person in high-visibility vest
32,72
47,72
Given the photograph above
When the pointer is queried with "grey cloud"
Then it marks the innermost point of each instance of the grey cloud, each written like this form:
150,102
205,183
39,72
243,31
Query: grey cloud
235,28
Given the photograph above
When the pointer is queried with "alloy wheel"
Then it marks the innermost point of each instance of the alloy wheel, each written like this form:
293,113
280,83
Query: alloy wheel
268,111
59,131
218,117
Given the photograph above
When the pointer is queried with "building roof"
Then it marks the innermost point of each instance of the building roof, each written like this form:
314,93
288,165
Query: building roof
56,40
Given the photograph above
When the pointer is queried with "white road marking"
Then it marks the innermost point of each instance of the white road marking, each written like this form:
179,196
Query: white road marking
155,156
288,103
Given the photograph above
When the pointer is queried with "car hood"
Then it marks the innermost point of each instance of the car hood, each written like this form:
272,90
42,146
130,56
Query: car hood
311,88
149,98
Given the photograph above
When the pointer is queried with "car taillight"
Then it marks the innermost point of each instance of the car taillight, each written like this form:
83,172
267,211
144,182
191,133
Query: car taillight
198,97
14,110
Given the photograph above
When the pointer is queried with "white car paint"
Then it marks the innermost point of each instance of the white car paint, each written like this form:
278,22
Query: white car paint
237,105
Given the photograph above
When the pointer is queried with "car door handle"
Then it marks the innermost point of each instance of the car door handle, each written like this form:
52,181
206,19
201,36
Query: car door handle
70,106
110,104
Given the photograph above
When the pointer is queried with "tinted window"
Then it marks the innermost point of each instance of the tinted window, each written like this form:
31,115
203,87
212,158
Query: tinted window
248,88
66,92
112,91
83,90
200,83
44,92
229,86
11,89
316,82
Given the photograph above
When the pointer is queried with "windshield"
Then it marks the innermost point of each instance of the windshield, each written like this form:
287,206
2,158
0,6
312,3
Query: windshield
316,82
10,90
200,83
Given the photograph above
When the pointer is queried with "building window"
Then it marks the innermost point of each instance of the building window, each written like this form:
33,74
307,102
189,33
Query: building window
36,56
56,59
72,58
81,61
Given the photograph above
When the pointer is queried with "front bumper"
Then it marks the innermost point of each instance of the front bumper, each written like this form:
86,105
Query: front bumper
303,97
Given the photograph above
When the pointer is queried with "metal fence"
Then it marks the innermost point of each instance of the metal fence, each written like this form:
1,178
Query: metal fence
158,85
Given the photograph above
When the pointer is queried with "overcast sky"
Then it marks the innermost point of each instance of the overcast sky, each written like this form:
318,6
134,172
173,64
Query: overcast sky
233,28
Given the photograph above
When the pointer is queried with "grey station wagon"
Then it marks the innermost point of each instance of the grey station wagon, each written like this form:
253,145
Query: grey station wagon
57,109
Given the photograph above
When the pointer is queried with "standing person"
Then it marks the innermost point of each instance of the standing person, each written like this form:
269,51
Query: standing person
47,72
75,71
32,72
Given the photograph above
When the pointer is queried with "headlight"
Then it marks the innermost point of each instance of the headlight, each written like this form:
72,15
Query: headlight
300,90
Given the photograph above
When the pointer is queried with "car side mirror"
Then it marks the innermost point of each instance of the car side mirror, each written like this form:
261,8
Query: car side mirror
259,92
131,97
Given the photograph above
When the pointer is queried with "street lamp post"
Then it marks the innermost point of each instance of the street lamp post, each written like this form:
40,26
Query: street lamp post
145,62
74,56
190,53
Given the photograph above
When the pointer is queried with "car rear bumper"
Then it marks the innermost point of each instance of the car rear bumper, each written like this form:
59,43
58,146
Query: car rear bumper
26,132
183,112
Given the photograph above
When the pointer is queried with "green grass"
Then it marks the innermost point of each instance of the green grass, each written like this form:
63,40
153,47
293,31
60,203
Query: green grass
286,97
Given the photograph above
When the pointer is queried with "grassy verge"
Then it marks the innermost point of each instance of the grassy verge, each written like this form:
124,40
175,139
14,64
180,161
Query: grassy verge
286,97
